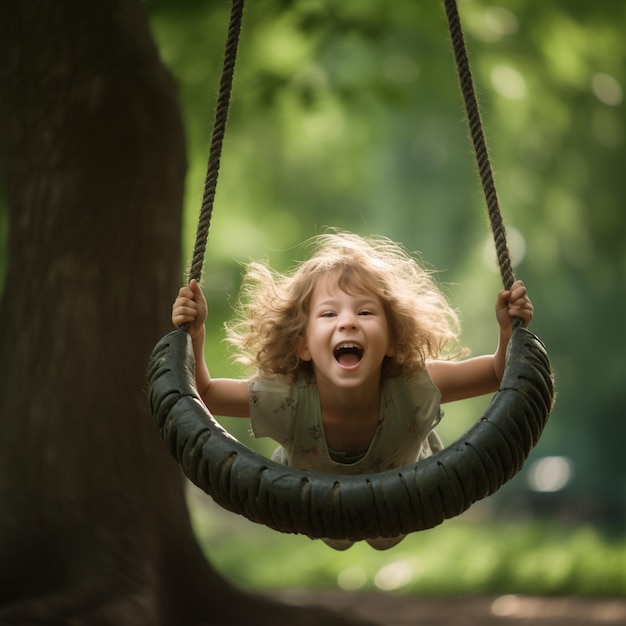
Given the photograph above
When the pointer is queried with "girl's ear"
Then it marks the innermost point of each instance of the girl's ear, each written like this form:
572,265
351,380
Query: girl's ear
390,350
303,350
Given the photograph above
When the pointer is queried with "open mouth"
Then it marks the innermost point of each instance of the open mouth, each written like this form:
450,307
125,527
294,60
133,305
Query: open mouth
348,354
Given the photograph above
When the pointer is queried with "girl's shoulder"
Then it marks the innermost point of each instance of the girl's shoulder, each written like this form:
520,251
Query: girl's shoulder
413,397
281,382
418,381
282,393
274,403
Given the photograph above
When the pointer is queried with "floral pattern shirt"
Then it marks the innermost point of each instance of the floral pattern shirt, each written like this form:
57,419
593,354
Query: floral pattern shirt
290,414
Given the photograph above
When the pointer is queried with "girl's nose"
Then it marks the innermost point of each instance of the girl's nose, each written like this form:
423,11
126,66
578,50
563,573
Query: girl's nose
347,321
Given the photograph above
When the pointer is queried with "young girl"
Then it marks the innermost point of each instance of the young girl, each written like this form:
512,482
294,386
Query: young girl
351,357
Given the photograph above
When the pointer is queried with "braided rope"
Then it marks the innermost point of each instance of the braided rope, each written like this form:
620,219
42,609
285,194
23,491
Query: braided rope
217,139
479,142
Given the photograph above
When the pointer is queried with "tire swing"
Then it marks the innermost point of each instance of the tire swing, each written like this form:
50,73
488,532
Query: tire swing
355,507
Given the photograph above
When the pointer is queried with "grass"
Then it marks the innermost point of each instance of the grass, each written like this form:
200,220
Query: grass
461,557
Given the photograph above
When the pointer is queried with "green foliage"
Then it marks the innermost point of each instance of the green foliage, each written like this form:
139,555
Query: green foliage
456,558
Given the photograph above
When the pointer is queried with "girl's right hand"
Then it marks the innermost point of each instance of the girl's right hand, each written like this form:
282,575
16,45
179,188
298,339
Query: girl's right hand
190,307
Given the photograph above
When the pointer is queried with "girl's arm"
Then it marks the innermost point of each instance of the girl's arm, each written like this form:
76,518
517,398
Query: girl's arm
222,396
458,380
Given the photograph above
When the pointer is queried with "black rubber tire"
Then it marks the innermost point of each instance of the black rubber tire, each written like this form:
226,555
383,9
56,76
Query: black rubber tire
386,504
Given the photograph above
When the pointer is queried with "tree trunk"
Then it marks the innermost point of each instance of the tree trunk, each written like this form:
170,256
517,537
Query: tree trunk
93,524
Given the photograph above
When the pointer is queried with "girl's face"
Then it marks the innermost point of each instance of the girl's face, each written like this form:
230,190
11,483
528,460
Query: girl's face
346,337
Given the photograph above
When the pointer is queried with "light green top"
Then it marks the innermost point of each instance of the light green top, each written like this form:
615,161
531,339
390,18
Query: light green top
291,415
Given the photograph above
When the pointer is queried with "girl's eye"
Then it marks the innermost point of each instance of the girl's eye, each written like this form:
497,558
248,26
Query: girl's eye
327,314
366,313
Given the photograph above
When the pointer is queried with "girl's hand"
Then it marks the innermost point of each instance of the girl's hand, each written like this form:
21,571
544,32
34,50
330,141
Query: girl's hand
190,307
511,303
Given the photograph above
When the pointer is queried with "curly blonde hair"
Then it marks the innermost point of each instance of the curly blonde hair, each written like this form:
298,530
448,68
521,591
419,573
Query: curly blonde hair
273,308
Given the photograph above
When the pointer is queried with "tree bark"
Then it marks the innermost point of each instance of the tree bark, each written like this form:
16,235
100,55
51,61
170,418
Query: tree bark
94,527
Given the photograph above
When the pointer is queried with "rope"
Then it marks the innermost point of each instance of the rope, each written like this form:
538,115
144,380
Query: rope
479,142
217,139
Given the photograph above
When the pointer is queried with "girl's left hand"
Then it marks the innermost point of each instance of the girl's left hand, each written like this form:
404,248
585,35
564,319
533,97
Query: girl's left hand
511,303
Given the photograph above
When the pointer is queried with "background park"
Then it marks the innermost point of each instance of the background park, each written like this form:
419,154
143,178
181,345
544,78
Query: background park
344,114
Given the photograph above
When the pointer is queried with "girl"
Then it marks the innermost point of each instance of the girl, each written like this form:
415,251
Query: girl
351,355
